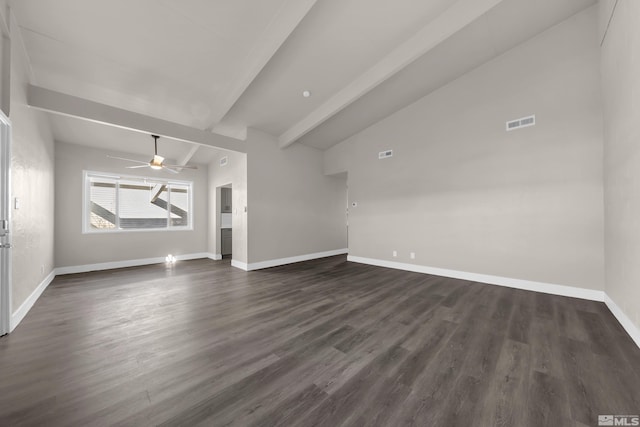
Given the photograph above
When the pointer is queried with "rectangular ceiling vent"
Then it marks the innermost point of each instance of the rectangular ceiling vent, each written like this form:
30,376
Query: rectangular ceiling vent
224,161
385,154
521,123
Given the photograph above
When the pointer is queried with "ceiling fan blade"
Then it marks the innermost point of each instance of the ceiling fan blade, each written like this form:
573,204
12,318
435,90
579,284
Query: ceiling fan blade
128,160
156,163
183,166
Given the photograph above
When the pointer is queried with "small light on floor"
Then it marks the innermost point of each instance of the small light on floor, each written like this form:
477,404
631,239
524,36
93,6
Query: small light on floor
170,259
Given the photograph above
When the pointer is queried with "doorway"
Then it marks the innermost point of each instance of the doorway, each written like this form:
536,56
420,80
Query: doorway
225,231
347,214
5,222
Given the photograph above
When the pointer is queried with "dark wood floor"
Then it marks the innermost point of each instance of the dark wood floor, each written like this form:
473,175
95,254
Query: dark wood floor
323,343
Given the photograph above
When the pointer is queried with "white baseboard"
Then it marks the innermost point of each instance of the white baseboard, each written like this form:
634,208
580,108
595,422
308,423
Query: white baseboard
547,288
215,257
21,312
624,320
290,260
239,264
122,264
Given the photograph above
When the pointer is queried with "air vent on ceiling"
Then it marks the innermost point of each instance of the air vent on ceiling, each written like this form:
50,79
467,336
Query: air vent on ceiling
224,161
521,123
385,154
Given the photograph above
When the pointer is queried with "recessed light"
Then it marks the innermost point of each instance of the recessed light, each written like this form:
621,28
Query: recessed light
306,94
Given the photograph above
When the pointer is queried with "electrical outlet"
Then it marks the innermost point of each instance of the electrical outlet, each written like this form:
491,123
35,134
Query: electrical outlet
395,254
412,255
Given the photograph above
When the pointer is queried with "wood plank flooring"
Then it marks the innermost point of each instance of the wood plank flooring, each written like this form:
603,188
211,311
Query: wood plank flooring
319,343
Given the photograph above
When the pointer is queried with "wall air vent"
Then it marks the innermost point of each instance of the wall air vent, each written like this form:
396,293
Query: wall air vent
224,161
521,123
385,154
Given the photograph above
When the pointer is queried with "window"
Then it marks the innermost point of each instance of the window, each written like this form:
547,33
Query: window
118,203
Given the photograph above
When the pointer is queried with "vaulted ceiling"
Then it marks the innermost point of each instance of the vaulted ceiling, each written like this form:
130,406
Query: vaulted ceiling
213,68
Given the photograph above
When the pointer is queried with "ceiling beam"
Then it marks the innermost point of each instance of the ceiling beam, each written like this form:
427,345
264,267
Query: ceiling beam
452,20
287,18
5,18
185,159
60,103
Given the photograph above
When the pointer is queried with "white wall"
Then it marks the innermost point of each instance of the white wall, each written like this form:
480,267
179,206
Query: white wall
32,175
73,248
621,93
293,208
465,195
235,173
5,61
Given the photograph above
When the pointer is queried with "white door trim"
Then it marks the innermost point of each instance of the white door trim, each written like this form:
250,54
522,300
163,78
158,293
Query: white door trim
5,214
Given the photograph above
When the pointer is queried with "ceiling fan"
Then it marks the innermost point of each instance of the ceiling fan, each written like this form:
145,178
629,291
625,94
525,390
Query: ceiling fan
157,162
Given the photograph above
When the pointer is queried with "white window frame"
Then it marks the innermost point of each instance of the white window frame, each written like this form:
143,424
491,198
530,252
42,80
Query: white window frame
86,197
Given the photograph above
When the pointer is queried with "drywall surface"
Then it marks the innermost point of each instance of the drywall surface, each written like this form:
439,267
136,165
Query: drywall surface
234,172
338,159
621,99
32,183
294,209
5,60
464,194
73,248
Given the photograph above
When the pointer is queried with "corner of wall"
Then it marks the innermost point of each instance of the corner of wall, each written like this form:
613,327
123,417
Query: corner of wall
291,201
33,177
631,328
18,315
619,34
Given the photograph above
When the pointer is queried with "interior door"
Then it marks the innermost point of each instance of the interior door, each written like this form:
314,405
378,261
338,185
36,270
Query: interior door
5,222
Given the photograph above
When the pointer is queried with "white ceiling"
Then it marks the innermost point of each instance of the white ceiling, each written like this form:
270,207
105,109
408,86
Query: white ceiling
336,42
226,65
171,59
487,37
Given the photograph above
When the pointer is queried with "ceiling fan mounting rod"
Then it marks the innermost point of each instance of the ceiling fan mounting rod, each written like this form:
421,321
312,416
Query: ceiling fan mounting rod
155,137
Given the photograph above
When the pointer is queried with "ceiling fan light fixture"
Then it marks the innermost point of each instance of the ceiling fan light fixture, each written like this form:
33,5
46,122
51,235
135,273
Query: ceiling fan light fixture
156,162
